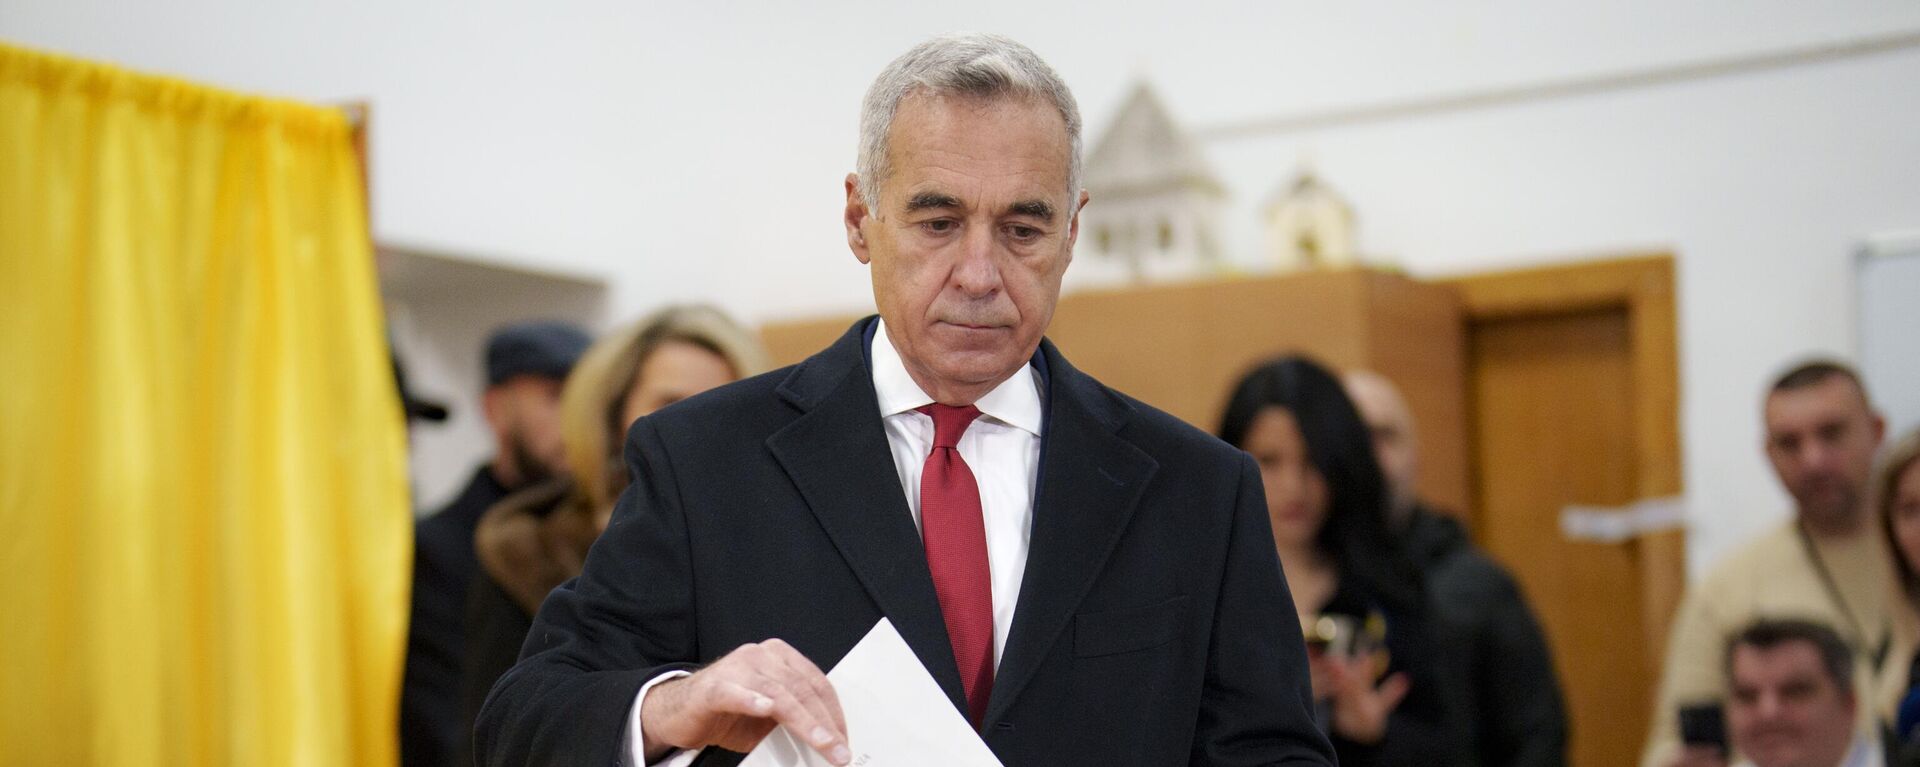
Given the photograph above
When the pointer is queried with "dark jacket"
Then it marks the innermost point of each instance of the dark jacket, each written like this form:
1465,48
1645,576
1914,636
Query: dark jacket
1145,634
517,543
1902,735
497,629
431,731
1514,707
1428,728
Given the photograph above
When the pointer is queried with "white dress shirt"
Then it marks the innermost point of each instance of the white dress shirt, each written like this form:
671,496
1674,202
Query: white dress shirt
1865,752
1001,447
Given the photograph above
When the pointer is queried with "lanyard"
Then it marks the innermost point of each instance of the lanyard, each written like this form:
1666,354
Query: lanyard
1878,652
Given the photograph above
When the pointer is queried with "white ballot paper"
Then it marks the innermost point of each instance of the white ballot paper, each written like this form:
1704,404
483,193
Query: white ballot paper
896,714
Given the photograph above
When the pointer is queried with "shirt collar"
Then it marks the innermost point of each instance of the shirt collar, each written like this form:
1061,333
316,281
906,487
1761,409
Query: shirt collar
1860,755
1015,402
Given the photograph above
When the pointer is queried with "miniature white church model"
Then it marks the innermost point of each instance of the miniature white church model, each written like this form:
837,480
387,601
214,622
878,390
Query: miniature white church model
1156,204
1309,226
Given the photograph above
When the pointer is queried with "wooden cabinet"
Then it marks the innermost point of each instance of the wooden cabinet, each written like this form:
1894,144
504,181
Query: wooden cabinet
1181,347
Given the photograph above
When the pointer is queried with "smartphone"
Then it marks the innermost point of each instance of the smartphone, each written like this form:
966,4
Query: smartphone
1333,634
1704,724
1347,636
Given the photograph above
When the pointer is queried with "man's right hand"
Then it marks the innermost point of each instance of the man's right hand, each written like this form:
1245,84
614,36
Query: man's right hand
736,701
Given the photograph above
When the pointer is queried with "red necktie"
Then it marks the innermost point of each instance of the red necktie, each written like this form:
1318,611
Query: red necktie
955,537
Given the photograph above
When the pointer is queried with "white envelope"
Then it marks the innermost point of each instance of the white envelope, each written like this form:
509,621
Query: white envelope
897,715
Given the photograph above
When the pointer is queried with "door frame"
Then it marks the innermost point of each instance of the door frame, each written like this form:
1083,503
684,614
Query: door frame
1641,284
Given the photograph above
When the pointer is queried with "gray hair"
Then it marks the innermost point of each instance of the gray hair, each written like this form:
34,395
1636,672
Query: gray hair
962,64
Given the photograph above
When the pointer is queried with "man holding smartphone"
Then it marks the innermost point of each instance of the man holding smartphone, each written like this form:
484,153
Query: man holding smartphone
1827,563
1790,703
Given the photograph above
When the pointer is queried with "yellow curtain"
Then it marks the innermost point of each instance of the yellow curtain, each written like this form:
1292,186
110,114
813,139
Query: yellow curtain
204,527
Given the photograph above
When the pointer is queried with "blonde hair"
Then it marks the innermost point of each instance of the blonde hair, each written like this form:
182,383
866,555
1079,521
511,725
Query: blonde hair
595,394
1885,486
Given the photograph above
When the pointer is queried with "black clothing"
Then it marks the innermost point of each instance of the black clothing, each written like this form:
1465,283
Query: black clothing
1902,735
496,624
496,629
1145,632
432,732
543,348
1515,709
1427,728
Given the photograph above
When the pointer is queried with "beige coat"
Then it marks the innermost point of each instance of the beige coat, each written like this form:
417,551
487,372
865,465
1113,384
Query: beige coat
1772,577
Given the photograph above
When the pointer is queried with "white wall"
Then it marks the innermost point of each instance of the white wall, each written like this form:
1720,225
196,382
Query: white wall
440,332
696,150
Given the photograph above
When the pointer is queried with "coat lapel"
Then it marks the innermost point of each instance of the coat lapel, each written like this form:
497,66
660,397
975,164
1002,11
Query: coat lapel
836,453
1090,481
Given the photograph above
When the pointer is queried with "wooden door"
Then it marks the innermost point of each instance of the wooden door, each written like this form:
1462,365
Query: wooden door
1553,401
1571,398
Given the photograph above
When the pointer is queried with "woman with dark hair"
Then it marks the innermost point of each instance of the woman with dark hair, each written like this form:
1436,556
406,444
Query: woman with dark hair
1381,684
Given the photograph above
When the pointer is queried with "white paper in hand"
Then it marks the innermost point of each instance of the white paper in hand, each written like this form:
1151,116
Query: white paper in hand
896,714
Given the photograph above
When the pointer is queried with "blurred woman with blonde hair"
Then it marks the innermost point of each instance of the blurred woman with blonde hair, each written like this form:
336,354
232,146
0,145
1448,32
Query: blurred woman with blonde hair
537,539
1895,494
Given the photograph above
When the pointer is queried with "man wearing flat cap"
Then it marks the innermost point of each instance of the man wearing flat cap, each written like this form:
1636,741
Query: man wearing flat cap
1087,579
526,364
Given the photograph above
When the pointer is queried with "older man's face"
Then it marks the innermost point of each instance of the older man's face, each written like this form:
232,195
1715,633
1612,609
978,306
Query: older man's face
972,232
1785,711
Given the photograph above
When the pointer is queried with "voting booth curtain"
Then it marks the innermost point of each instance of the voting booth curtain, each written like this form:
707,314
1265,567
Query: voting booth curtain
204,524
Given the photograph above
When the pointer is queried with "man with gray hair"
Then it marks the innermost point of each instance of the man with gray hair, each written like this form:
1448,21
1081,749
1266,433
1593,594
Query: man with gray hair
1087,579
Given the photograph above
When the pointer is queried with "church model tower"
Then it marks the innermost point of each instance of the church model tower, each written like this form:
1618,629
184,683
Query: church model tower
1309,226
1156,205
